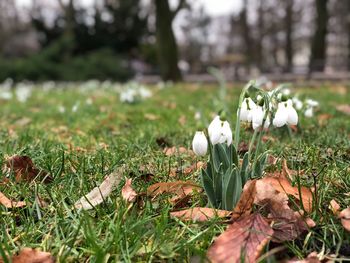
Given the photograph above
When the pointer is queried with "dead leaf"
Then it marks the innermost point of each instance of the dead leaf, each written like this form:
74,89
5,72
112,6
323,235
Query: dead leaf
243,240
30,255
344,108
324,118
9,203
100,193
151,117
200,214
246,201
180,189
288,173
243,147
339,89
345,218
311,258
267,138
128,193
24,169
170,151
334,206
283,185
23,121
182,120
187,170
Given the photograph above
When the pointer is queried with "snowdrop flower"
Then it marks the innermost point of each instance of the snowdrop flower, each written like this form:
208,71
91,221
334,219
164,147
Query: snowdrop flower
89,101
311,103
286,92
297,103
220,131
247,108
197,115
285,114
292,114
5,94
23,92
309,112
281,115
75,107
257,117
127,96
61,109
200,144
144,93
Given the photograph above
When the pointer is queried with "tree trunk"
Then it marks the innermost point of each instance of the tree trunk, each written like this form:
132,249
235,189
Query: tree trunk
259,42
348,27
245,30
166,42
289,32
319,45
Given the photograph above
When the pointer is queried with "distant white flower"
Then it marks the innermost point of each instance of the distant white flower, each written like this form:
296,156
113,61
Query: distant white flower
89,101
145,93
61,109
5,94
75,107
286,92
220,131
197,115
309,112
23,92
200,144
248,105
297,103
312,103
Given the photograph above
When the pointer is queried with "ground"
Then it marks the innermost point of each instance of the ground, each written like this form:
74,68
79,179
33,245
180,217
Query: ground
79,148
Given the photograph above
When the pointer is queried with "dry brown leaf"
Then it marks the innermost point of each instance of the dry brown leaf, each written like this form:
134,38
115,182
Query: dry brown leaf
182,120
344,108
286,172
9,203
267,138
23,121
187,170
283,185
151,117
200,214
339,89
324,118
311,258
344,216
100,193
246,201
30,255
180,189
128,193
24,169
244,239
334,206
170,151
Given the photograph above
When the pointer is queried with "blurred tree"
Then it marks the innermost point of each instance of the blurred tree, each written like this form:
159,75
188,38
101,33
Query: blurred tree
289,22
319,40
246,35
166,41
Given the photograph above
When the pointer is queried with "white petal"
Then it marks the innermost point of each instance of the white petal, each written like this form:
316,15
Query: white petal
292,116
309,112
212,126
227,133
281,116
199,144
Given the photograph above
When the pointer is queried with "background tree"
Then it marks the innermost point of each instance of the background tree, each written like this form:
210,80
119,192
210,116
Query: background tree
166,41
319,40
289,22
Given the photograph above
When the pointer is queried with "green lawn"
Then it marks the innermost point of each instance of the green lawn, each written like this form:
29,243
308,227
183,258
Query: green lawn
80,148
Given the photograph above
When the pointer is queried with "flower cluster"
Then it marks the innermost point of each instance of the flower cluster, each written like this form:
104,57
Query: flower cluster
133,92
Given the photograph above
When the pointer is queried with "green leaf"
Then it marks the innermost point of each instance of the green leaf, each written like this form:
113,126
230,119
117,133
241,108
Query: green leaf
260,164
244,168
208,187
234,155
232,188
220,156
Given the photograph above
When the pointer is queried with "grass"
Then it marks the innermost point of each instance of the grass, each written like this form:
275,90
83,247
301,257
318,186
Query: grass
80,148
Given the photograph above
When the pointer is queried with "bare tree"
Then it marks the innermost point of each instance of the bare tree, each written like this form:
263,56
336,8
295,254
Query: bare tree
289,32
166,41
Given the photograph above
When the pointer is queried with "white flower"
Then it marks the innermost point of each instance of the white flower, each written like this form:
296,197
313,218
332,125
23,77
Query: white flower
297,103
23,92
267,122
220,131
257,117
247,108
292,114
309,112
281,115
200,144
311,103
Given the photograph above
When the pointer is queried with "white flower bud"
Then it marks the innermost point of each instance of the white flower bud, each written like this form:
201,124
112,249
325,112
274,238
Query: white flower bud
281,115
200,144
309,112
292,114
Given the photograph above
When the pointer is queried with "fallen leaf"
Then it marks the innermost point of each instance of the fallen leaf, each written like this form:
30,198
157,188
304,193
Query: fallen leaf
180,189
344,216
243,240
30,255
246,201
243,147
324,118
284,186
344,108
24,169
151,117
23,121
100,193
339,89
182,120
187,170
9,203
311,258
267,138
199,214
170,151
334,206
128,193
